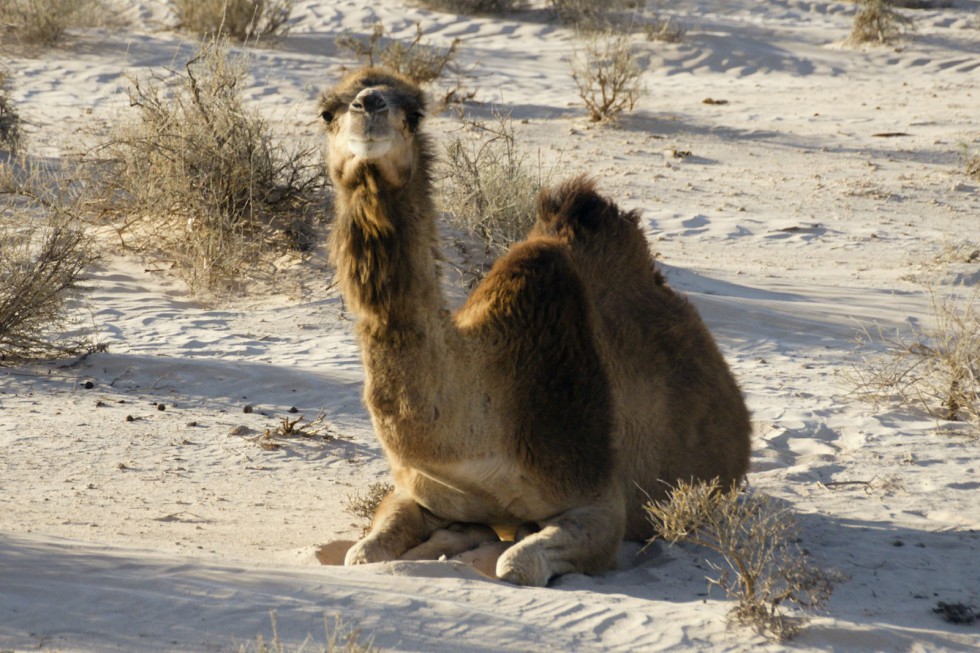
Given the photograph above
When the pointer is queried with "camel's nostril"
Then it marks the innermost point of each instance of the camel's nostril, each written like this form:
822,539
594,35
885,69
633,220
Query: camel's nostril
369,102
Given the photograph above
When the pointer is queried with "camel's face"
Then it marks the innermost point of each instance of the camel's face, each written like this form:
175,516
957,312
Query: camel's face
372,117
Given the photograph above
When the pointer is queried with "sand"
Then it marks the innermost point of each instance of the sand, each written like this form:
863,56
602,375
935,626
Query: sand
141,513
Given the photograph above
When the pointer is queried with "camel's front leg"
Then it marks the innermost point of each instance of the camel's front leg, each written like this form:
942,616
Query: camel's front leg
583,540
399,525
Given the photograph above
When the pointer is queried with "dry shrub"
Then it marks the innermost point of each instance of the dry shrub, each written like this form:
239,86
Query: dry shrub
935,368
45,22
197,176
971,159
592,15
470,7
973,167
877,22
764,571
421,62
41,272
489,184
244,20
607,75
365,505
663,29
10,132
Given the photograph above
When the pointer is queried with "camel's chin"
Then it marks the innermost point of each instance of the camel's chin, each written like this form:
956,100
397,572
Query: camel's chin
369,149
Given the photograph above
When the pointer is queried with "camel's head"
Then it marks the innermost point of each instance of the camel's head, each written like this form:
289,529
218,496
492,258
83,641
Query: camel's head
372,119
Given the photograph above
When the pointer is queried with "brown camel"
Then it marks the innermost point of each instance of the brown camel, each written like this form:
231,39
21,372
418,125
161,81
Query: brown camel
571,386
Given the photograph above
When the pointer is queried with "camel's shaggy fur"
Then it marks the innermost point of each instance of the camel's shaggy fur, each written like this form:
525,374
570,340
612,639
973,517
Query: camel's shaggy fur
571,386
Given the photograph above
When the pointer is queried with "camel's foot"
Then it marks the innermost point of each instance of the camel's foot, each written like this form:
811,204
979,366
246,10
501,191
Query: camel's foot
524,565
583,540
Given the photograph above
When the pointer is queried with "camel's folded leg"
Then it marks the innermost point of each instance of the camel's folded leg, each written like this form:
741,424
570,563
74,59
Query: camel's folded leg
399,524
583,540
455,539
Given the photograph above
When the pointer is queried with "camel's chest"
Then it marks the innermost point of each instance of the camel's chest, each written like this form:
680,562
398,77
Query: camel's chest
490,489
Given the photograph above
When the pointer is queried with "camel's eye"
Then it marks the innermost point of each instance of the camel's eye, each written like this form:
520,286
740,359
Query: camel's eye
327,117
413,119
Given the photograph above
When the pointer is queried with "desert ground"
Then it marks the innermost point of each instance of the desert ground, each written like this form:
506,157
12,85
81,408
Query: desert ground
820,194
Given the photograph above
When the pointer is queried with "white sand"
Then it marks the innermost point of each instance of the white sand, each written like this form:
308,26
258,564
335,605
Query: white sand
790,225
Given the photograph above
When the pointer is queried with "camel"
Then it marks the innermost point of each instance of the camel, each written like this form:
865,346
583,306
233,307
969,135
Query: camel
573,386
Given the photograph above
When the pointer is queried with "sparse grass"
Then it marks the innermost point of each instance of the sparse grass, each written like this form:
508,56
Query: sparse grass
10,132
365,505
490,184
197,178
607,75
764,570
936,367
878,22
339,639
247,21
42,267
45,22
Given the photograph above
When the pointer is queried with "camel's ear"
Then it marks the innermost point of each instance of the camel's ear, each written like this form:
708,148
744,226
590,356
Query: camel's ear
327,117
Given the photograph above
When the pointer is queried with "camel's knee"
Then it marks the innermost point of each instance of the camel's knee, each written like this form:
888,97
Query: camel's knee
368,550
399,524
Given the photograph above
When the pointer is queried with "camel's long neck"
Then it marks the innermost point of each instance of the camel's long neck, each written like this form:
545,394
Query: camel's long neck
383,248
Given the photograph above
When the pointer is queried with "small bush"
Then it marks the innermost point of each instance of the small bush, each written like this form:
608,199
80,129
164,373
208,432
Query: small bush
878,22
592,15
665,30
489,185
365,505
471,7
247,21
10,133
41,271
45,22
936,369
197,176
764,569
607,75
421,62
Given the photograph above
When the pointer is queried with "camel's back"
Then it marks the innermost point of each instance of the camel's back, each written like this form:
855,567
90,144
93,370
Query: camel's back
680,413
